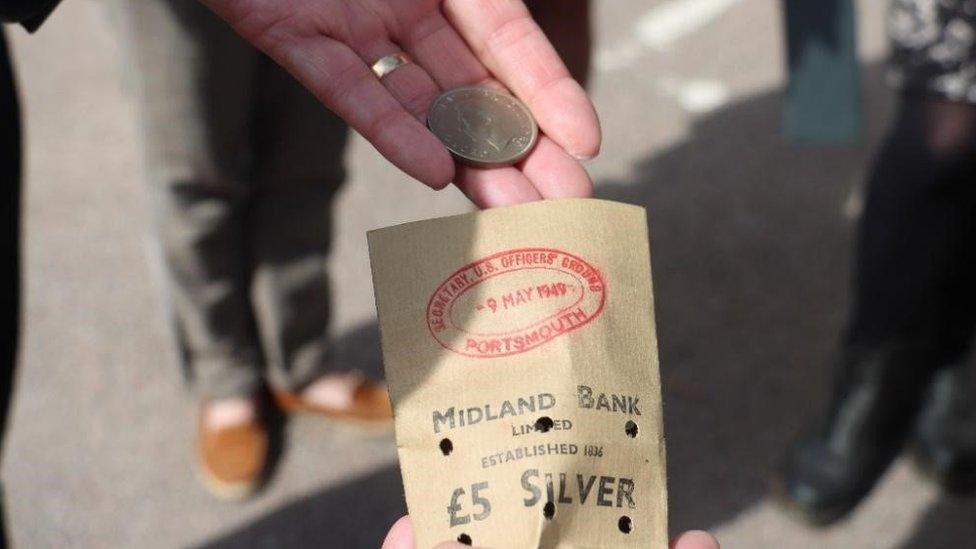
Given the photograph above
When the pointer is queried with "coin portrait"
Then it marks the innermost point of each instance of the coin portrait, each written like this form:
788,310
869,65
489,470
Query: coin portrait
483,127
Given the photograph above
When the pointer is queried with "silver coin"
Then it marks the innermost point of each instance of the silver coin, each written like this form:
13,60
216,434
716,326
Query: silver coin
483,127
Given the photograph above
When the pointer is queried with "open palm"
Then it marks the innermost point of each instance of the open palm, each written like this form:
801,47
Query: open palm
329,45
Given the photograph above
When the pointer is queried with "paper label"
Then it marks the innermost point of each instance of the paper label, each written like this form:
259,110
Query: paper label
520,350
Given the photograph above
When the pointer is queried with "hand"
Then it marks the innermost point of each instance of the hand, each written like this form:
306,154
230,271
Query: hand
401,537
329,45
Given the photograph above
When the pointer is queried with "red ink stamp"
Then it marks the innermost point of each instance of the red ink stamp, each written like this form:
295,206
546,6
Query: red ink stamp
514,301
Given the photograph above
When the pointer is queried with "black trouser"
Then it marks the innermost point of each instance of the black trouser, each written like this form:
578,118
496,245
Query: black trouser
915,280
9,239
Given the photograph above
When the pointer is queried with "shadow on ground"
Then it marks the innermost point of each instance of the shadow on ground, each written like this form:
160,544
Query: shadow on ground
359,349
947,524
356,514
750,236
750,246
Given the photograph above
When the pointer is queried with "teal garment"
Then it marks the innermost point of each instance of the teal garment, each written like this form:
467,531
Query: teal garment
823,95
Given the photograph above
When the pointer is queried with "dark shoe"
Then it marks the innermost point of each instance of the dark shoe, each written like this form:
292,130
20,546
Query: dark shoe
876,396
945,433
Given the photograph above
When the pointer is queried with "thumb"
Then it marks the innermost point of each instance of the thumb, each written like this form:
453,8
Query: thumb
694,539
400,536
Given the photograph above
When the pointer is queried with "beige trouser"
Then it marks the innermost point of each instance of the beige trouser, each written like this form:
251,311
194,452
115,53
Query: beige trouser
243,165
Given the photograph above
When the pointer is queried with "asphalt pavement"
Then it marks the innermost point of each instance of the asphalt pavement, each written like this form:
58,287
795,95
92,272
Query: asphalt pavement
750,240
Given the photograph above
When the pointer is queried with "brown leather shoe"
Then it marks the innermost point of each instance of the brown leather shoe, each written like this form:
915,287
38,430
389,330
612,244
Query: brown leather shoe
231,460
369,406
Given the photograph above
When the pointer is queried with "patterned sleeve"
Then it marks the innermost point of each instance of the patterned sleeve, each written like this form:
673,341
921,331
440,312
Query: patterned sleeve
933,47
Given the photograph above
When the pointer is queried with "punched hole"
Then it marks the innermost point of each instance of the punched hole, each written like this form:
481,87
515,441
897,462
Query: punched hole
446,446
464,539
631,429
549,510
625,525
543,424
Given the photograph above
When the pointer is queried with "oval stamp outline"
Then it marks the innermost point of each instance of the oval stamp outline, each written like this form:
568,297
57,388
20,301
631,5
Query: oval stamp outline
446,314
450,307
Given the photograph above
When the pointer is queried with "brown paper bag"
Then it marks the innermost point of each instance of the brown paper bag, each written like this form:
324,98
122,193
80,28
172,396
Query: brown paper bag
521,355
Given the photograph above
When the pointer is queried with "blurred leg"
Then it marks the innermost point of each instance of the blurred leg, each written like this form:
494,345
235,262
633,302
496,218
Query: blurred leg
10,182
913,311
914,304
567,25
915,274
196,78
298,151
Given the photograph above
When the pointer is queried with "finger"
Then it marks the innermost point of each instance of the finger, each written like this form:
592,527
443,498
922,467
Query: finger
434,43
409,84
503,36
340,79
400,535
554,173
694,539
493,187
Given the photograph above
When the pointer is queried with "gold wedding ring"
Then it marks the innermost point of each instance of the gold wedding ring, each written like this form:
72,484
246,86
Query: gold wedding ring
390,63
